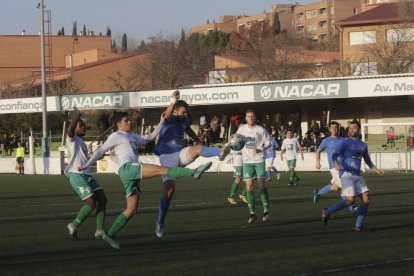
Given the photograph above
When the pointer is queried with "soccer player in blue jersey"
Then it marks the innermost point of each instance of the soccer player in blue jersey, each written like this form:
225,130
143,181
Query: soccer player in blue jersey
270,155
351,152
171,151
329,144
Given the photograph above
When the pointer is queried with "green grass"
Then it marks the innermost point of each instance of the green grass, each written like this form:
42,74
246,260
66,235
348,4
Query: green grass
204,234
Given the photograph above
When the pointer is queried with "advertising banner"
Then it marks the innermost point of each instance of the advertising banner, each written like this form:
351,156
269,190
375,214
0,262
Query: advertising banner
301,91
94,101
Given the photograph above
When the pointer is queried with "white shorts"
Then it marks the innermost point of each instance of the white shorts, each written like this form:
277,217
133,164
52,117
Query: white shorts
175,159
269,162
335,177
353,185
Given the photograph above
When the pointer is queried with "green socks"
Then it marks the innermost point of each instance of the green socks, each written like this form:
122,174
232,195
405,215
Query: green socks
250,202
100,215
264,196
177,172
292,175
244,192
233,189
119,223
82,215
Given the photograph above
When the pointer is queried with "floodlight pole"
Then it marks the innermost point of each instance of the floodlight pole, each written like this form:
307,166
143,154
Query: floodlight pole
45,142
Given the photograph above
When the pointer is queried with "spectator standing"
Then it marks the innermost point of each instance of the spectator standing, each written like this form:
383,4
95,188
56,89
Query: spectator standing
296,117
267,123
20,158
235,122
203,120
323,121
314,127
225,123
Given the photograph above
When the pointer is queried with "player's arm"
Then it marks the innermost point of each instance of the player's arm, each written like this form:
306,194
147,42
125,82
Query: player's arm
154,134
335,155
371,165
168,112
318,155
300,150
282,150
74,122
109,144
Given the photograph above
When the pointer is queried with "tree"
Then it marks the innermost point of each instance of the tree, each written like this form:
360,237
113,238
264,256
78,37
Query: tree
114,47
108,31
142,46
74,29
62,31
84,30
276,24
124,47
393,49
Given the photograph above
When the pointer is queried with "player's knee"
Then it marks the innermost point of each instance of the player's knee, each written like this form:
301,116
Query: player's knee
350,201
130,212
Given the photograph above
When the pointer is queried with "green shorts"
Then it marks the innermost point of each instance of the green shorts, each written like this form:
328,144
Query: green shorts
254,170
131,175
84,184
238,171
291,163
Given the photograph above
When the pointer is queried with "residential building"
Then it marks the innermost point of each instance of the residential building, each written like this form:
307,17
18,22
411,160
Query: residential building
378,41
74,64
369,4
227,24
265,18
316,20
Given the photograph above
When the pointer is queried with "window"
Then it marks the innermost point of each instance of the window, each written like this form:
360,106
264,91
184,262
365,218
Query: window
308,14
300,15
364,37
313,13
364,69
355,11
395,35
331,10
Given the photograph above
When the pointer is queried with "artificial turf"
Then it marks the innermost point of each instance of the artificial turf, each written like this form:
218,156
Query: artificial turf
204,234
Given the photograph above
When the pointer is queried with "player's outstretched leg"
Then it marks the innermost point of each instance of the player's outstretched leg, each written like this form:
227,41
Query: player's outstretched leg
317,193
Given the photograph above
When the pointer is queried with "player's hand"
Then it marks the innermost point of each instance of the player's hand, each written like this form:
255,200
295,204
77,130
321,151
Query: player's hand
378,171
318,166
80,168
176,95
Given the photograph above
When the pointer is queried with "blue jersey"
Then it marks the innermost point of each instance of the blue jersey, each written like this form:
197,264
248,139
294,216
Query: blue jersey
330,144
352,151
270,152
171,137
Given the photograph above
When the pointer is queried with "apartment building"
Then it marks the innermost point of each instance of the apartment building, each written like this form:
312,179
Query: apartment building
85,61
383,29
20,54
369,4
227,24
317,20
286,13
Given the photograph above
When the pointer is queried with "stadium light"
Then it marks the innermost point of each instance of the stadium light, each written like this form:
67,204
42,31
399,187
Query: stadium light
45,142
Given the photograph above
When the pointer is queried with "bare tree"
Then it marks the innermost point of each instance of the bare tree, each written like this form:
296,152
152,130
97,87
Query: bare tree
393,50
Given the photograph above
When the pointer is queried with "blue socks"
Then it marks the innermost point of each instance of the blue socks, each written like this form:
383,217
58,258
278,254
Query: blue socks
325,190
362,213
163,209
210,151
337,206
268,174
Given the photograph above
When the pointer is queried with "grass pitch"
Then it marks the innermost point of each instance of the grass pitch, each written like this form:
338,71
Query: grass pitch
204,234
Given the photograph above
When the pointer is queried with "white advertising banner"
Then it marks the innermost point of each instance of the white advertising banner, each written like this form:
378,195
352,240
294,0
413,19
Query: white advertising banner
396,86
26,105
194,96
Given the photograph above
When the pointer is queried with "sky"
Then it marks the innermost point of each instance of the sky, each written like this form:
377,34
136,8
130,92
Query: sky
139,19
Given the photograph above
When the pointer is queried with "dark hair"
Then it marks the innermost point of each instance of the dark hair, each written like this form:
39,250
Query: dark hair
117,117
251,111
355,122
181,103
333,123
